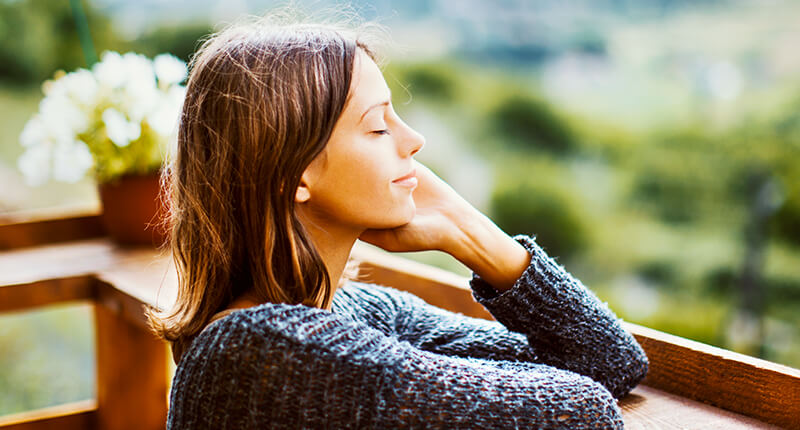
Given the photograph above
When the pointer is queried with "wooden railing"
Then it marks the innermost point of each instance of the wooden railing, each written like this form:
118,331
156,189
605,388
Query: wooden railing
44,262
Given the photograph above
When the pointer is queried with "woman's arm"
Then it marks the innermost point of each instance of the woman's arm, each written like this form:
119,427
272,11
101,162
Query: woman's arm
566,325
292,366
529,293
547,317
522,287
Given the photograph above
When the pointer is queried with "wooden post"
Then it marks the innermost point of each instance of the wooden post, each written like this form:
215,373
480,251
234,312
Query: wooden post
131,371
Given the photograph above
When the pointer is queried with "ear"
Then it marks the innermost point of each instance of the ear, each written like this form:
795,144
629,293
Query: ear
303,192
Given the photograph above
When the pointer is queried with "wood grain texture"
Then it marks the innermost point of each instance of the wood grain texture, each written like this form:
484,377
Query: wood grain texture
20,297
131,374
736,382
32,228
647,408
69,416
60,260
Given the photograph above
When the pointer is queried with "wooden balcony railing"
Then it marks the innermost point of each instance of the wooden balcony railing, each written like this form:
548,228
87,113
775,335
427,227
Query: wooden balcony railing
690,385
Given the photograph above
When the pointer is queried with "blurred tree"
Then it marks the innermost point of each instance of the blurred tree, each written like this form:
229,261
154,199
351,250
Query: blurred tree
529,121
180,40
549,214
436,82
720,282
765,199
681,176
658,272
38,37
785,224
668,191
771,144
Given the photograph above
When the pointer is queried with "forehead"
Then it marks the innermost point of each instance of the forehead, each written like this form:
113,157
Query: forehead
367,86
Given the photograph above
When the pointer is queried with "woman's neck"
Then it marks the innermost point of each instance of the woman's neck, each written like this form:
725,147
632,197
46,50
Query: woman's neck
334,243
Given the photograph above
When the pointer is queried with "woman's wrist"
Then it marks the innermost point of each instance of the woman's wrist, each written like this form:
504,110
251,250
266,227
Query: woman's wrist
485,249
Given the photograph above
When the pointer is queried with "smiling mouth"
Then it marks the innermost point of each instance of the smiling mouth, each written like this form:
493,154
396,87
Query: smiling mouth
412,175
406,181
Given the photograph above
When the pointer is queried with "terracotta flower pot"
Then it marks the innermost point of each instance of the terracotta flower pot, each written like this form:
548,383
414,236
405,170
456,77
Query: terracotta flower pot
133,211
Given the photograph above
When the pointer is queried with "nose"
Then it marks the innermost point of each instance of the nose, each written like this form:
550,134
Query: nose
411,143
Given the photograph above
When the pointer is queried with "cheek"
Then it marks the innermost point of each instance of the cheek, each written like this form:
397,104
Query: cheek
359,192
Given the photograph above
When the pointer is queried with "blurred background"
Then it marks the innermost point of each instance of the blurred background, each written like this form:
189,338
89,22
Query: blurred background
652,146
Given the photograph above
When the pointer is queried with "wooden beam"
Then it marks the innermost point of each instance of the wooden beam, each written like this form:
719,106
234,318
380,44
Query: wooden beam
121,304
131,373
437,286
59,260
647,408
31,228
736,382
26,296
77,415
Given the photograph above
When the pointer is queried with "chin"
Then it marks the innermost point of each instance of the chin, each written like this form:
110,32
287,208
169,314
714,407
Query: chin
410,212
398,218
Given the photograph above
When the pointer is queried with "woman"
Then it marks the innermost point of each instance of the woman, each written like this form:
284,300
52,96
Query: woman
289,150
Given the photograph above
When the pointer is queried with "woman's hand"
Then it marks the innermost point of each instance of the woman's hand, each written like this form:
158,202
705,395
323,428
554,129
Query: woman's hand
445,221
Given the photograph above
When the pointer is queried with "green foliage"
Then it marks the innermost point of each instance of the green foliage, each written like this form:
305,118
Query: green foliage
38,37
179,40
680,177
721,281
785,224
665,190
46,358
530,122
658,272
433,81
545,212
142,156
611,142
769,146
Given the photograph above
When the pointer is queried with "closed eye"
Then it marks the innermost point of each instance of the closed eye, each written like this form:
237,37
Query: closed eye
380,132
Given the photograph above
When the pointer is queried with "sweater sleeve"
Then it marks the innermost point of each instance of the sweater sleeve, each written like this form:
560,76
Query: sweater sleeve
568,325
547,316
291,366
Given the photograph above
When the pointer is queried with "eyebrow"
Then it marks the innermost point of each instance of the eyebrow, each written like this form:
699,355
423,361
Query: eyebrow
383,103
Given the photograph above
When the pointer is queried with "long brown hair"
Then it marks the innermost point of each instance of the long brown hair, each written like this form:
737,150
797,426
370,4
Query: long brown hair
262,99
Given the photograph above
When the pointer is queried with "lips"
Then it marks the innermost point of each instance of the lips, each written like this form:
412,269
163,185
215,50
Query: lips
408,176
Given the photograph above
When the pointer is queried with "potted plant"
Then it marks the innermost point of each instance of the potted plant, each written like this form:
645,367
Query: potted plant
117,122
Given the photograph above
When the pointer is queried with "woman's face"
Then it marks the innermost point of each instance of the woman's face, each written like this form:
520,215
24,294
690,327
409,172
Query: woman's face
352,182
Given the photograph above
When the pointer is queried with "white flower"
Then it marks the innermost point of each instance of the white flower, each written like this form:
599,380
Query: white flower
71,160
116,95
169,69
139,70
140,94
33,133
138,101
34,164
81,86
61,117
164,119
110,71
119,129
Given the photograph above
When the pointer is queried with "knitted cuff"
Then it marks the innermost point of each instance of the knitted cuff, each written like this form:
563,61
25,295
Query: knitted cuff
544,296
484,293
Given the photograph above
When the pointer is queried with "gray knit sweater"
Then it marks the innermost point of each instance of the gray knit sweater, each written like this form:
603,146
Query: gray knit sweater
382,358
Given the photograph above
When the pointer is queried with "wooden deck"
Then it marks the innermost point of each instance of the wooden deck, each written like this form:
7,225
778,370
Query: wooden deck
690,385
